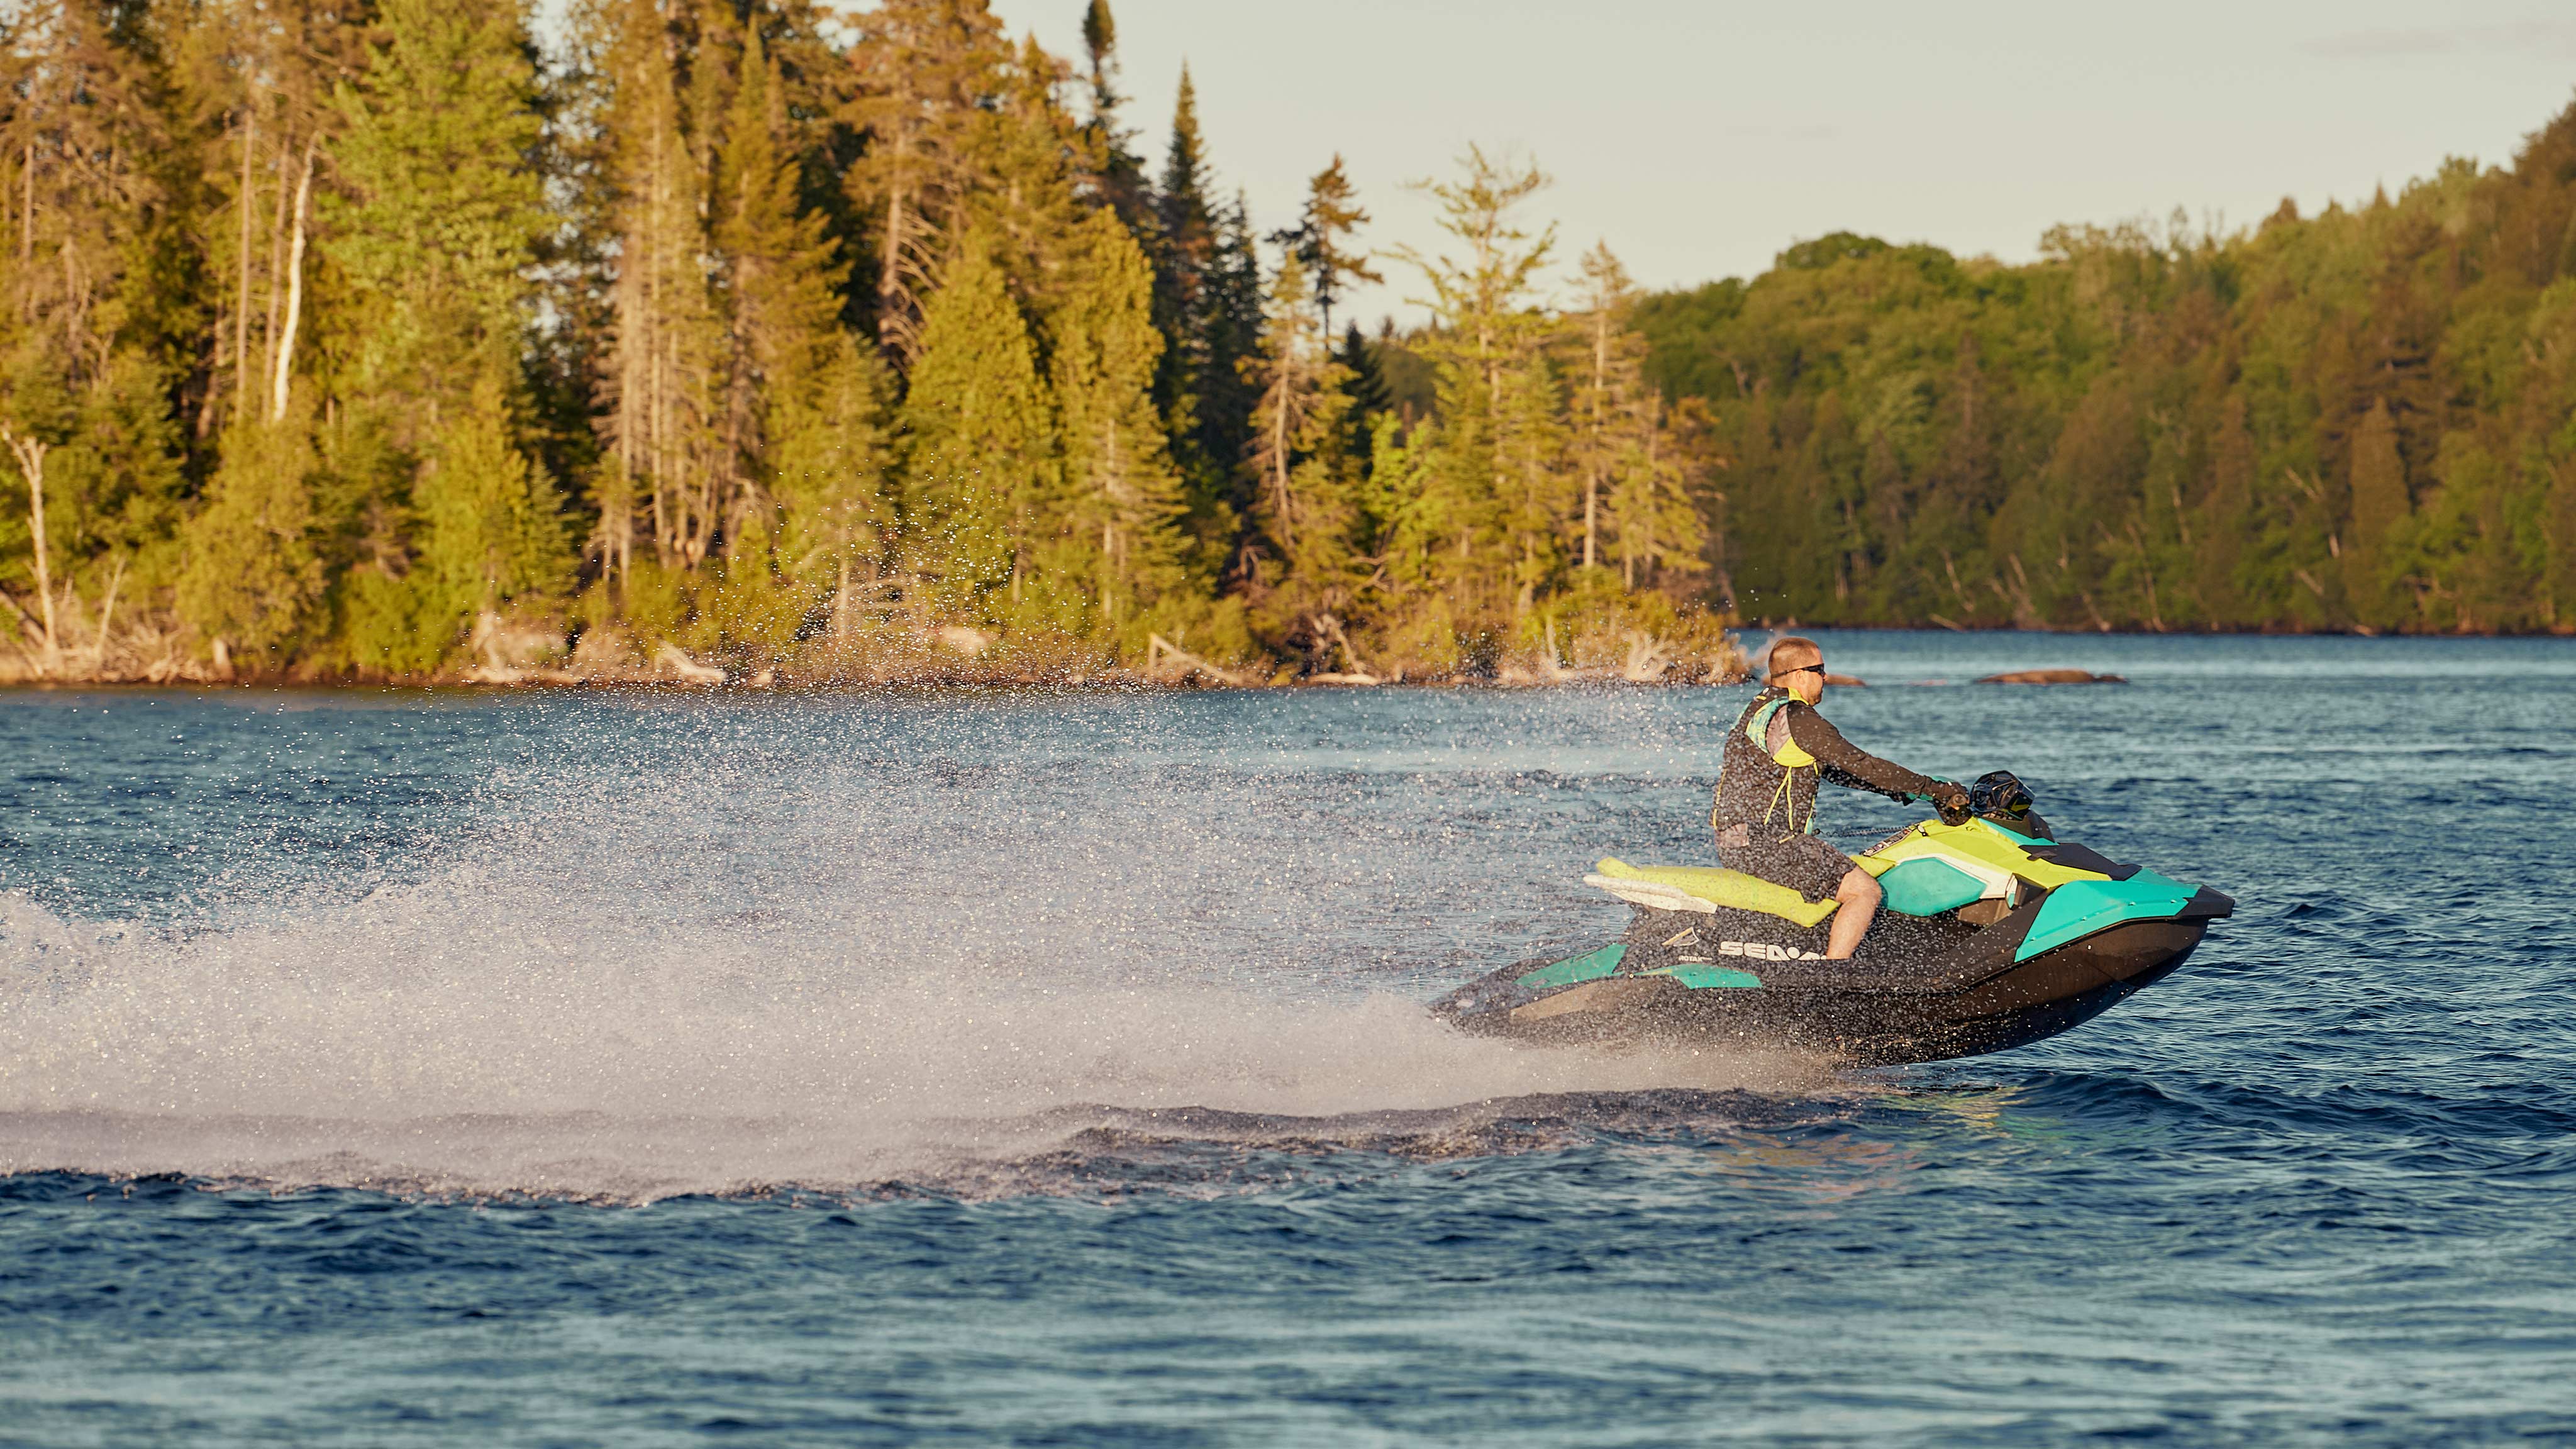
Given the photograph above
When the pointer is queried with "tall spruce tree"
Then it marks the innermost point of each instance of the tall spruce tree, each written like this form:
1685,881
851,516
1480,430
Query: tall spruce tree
665,362
980,450
1123,489
101,305
1320,238
1491,459
1186,232
1303,476
2379,503
1635,473
929,74
438,236
1028,197
1366,388
1117,172
803,403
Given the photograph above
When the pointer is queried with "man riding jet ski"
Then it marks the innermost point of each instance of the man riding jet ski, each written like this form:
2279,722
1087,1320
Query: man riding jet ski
1765,809
1997,933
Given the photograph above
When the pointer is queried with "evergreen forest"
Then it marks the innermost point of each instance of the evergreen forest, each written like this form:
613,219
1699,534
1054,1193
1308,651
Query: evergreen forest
389,339
393,339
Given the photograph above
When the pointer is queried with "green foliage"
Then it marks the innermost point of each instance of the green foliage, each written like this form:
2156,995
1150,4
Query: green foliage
2359,419
981,446
490,534
1123,490
251,574
1302,472
444,208
341,328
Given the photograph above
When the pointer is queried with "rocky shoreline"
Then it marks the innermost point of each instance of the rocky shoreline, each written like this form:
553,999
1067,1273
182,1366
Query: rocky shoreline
941,657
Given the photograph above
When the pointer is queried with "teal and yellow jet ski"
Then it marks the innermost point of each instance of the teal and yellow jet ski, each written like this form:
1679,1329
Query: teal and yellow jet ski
1992,935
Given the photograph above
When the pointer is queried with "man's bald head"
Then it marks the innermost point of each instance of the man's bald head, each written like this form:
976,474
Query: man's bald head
1791,653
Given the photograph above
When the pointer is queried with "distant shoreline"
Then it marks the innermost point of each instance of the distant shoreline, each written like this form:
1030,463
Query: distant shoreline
1515,673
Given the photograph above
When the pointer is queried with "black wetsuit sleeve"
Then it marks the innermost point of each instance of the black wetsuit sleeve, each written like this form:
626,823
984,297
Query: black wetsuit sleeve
1850,766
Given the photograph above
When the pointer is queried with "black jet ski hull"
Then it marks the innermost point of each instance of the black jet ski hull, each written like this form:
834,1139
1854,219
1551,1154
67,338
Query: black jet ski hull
1922,990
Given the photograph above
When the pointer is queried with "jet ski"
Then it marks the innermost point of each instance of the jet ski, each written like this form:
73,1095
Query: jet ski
1993,935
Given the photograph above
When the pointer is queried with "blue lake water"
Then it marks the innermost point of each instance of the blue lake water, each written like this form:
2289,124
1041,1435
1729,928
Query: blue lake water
1027,1068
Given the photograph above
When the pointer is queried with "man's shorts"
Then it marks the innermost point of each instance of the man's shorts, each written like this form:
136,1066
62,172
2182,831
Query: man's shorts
1803,863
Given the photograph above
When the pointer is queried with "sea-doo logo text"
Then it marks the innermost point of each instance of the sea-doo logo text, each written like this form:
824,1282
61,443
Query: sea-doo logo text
1765,951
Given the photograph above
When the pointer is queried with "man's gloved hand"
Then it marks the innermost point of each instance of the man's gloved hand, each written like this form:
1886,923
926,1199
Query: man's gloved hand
1952,801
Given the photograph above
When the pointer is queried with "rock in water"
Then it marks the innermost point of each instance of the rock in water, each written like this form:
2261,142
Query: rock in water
2052,676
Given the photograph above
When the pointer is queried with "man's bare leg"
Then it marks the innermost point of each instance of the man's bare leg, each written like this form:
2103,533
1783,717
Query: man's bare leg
1860,896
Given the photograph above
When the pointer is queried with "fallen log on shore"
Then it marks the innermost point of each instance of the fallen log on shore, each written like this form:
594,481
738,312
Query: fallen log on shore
671,658
1167,660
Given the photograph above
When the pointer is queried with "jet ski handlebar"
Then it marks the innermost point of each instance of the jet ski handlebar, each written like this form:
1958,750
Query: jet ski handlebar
2001,797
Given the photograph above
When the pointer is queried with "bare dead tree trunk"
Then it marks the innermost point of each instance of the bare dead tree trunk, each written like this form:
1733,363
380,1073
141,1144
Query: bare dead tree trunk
889,278
294,289
1279,454
1592,465
106,619
276,266
27,234
30,453
241,295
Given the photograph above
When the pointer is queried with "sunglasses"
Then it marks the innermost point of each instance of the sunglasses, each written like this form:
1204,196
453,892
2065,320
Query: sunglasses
1801,669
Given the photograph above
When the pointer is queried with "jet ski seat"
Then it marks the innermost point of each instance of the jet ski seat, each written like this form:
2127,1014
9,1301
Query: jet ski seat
1703,889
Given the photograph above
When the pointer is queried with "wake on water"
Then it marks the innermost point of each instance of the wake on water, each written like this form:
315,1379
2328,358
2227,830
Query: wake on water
623,950
419,1041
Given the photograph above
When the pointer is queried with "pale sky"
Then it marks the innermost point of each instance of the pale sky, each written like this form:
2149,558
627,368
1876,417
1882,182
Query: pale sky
1699,139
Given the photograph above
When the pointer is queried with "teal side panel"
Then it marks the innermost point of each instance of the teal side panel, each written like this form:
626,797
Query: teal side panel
1591,966
2080,908
1927,887
1701,978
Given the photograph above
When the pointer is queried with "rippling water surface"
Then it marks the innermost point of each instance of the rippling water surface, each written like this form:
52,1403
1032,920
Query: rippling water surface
396,1068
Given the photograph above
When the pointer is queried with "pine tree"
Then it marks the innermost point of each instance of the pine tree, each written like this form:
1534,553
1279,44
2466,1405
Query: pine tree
491,532
100,306
1491,458
444,215
1289,372
805,402
1117,172
438,238
980,452
1124,490
1332,213
802,411
1635,476
929,72
1301,471
251,574
665,362
2379,503
1233,318
1186,233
